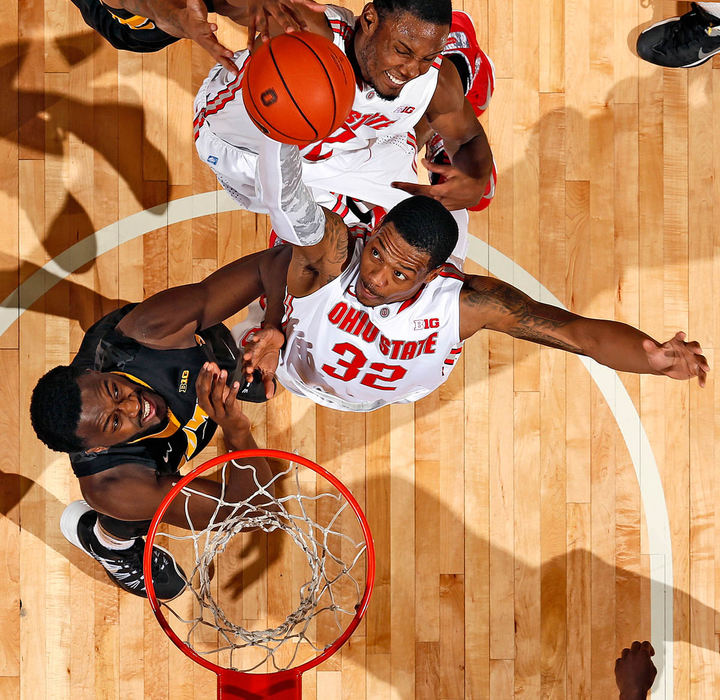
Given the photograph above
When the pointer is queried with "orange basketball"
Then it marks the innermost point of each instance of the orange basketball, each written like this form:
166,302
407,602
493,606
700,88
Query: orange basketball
298,88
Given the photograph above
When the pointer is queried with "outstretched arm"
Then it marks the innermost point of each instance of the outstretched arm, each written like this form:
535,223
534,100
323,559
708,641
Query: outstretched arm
452,117
182,18
170,319
489,303
188,19
319,237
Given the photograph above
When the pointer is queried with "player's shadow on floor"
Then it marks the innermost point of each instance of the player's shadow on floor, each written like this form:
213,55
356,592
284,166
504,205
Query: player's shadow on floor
573,611
600,175
44,122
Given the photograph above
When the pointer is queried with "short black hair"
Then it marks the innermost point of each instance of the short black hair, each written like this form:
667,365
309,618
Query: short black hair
433,11
427,225
55,408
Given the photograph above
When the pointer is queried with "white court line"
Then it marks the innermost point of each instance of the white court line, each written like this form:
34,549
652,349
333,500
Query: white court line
607,381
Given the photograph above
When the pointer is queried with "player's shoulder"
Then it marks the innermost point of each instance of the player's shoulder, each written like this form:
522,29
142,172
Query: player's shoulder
480,290
333,22
340,16
451,272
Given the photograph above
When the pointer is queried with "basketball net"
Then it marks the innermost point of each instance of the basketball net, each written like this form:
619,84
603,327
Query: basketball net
317,535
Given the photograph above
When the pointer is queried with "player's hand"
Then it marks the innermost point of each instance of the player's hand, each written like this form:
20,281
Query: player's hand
219,400
284,12
677,359
191,22
262,352
634,671
457,191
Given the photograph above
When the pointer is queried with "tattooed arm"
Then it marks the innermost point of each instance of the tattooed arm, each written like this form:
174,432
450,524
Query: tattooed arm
489,303
314,266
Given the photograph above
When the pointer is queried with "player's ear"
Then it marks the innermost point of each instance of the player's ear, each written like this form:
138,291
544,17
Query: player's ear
432,274
369,19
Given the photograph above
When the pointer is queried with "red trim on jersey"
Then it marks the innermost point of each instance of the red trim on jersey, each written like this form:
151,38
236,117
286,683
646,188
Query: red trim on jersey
412,141
453,356
340,208
359,231
226,95
378,214
288,304
342,28
409,302
246,336
450,271
437,62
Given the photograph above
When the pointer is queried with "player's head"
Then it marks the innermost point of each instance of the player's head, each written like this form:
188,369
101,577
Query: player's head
398,40
74,410
405,251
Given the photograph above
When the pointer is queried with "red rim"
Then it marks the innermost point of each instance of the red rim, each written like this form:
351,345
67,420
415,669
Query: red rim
270,454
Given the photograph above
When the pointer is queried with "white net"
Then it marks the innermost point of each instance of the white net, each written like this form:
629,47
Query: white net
274,578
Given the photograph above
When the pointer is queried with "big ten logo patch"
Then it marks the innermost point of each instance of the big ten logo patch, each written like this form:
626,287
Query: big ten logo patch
422,324
184,381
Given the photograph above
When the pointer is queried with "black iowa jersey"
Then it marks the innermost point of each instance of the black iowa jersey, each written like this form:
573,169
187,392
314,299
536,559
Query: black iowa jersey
125,30
170,373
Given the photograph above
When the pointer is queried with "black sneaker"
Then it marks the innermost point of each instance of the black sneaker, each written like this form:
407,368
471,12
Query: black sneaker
125,566
681,42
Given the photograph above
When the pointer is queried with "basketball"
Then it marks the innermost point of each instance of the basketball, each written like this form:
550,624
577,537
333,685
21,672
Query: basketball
298,88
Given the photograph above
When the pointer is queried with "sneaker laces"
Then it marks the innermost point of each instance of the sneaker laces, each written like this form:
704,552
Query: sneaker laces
131,565
685,30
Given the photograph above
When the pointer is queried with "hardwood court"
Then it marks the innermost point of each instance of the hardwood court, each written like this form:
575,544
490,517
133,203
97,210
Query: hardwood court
515,553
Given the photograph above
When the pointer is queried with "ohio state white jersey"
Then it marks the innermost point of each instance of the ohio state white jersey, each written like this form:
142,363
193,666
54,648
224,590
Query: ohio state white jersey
374,147
351,357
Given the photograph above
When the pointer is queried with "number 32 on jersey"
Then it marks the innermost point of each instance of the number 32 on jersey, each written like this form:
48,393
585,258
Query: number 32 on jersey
352,362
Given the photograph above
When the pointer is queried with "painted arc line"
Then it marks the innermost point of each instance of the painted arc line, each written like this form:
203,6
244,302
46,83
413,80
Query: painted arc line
607,381
643,459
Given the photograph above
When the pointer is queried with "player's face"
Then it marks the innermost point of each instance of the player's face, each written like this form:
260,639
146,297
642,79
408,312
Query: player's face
391,269
392,52
116,410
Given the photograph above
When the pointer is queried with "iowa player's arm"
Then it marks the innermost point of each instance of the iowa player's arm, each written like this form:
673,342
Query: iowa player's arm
170,319
488,303
183,19
188,19
450,115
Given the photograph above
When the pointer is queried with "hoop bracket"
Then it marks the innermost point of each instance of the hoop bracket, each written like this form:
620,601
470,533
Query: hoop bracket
259,686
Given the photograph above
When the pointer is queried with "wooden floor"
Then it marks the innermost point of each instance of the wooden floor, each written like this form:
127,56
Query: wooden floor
515,545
